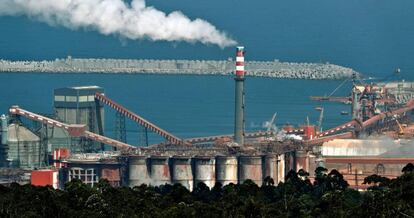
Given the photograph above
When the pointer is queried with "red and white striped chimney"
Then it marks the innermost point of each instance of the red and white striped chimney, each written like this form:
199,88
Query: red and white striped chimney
240,62
239,97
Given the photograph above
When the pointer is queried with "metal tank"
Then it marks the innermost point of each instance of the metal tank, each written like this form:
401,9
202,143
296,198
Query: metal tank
226,169
159,170
24,148
270,167
3,144
205,170
4,129
290,161
302,160
138,171
281,168
250,167
312,165
182,171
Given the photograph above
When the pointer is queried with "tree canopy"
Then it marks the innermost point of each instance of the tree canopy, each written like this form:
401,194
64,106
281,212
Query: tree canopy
328,195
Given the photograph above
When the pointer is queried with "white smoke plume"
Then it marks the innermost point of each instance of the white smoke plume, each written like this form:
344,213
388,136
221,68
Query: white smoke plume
133,20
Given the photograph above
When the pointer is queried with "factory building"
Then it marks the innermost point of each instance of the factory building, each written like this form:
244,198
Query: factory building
77,105
359,158
89,168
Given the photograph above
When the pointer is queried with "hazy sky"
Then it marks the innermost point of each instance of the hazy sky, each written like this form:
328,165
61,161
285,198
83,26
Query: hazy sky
371,36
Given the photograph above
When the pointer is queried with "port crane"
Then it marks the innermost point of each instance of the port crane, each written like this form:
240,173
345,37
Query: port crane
358,125
319,127
269,124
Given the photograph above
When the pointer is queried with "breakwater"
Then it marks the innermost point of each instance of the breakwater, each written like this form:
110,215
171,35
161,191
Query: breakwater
275,69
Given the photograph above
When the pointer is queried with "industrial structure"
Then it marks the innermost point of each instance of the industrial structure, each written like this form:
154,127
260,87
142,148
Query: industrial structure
239,97
71,144
76,105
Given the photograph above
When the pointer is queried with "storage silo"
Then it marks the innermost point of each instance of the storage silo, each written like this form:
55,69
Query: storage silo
3,141
24,148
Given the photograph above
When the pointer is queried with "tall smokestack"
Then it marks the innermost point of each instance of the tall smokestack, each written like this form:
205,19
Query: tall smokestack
239,97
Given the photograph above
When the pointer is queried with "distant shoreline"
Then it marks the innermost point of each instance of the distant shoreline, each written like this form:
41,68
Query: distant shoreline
270,69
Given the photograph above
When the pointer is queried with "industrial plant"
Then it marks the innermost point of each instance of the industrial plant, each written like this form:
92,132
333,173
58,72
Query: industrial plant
71,143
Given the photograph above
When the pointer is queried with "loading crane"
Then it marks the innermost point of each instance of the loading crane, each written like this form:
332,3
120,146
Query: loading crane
74,130
319,127
358,125
269,124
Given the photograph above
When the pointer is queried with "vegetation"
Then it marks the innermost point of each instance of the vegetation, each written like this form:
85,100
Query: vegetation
327,196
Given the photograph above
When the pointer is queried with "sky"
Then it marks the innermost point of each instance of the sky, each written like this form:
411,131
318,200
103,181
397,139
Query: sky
373,37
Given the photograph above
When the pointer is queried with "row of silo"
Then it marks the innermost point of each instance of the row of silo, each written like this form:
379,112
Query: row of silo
189,171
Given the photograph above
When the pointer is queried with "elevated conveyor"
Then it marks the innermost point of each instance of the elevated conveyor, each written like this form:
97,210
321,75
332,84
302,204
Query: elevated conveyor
138,119
217,137
74,130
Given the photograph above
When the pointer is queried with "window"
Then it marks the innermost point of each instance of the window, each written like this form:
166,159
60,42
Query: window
91,98
83,98
59,98
71,98
87,176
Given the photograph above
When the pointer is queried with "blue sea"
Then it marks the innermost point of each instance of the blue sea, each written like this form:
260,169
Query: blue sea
187,106
373,37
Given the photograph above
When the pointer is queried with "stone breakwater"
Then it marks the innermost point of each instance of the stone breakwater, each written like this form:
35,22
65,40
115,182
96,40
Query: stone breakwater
274,69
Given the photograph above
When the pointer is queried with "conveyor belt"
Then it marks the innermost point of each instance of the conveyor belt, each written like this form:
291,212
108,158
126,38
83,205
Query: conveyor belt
135,117
74,130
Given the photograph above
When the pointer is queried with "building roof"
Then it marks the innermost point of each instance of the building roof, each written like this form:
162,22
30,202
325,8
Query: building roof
85,87
79,90
359,147
20,133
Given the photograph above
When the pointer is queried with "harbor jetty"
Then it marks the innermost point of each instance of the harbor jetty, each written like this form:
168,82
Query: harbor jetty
274,69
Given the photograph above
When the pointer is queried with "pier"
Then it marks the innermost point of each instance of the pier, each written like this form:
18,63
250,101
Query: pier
273,69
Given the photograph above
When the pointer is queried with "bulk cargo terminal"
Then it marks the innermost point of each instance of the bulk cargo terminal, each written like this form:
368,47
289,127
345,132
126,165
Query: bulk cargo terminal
71,142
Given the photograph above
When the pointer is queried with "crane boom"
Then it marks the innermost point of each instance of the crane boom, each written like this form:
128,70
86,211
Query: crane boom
320,120
269,127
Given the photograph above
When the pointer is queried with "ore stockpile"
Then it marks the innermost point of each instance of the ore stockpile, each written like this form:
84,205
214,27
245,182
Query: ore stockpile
275,69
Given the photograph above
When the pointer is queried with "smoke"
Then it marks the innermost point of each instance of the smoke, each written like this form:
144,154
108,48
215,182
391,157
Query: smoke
133,20
293,136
